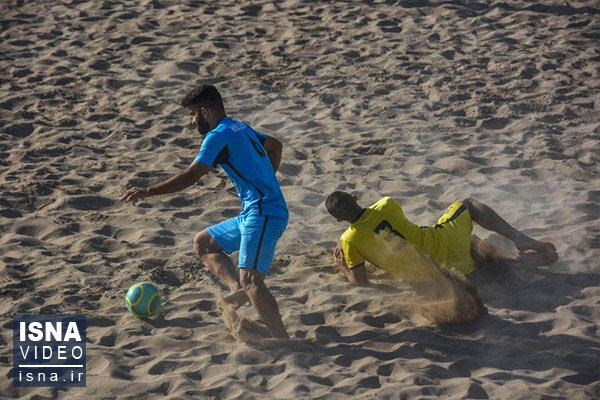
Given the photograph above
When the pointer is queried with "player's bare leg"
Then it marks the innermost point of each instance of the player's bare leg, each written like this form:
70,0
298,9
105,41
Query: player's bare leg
482,250
545,252
215,259
236,299
263,301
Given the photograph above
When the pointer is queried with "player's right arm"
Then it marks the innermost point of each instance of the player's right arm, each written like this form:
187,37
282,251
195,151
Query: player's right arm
179,182
212,151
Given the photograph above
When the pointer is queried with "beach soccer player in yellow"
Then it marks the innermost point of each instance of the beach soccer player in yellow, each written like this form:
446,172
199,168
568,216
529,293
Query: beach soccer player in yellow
382,235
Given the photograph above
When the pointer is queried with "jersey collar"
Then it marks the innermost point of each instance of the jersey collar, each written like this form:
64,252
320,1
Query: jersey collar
222,120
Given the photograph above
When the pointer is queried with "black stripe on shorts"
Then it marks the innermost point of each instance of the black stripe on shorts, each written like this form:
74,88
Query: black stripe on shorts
262,236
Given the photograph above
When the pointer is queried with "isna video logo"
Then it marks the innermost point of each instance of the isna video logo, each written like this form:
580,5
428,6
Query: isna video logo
49,350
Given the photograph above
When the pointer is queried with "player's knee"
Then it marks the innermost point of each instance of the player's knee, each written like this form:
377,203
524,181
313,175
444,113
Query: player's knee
246,280
250,282
467,202
470,204
202,242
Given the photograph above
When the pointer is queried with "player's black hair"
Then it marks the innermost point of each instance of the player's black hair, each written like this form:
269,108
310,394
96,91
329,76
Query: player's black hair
341,205
206,96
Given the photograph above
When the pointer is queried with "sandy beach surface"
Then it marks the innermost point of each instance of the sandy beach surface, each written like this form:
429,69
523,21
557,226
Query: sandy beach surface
426,101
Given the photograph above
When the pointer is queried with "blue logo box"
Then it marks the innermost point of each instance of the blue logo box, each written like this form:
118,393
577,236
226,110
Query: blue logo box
49,350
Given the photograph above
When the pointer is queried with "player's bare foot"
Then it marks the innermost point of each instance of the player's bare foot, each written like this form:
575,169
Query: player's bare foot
527,243
538,259
236,299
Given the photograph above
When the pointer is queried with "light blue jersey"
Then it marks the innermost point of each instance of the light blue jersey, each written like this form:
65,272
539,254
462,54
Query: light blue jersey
239,150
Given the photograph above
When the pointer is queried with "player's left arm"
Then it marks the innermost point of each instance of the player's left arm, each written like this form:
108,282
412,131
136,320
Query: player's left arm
358,275
274,149
179,182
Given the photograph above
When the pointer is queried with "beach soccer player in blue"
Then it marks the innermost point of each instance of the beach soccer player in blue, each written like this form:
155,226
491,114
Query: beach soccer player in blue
250,159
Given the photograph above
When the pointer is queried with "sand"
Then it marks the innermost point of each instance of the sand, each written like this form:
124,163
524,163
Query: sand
424,101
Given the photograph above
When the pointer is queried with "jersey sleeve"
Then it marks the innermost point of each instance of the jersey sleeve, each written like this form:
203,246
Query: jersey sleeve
212,148
395,204
351,254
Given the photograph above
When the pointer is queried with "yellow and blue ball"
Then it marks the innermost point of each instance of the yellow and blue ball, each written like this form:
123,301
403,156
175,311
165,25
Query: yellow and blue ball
143,299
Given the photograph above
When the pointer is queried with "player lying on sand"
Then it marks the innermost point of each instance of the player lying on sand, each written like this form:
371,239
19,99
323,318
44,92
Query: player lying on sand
250,159
373,230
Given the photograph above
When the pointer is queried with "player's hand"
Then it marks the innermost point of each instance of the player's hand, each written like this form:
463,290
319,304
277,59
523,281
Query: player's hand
135,193
338,257
337,254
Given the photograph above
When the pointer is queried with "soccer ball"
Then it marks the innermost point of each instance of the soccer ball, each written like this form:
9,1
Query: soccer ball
143,299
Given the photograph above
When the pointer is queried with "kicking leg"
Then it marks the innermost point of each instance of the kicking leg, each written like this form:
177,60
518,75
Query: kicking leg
488,219
485,251
236,299
215,259
263,301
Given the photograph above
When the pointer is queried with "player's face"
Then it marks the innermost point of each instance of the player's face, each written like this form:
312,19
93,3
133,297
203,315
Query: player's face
202,125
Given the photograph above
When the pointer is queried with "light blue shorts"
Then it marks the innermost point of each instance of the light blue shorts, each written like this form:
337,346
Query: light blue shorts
255,236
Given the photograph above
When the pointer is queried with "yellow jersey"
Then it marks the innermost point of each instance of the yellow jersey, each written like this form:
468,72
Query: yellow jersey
383,236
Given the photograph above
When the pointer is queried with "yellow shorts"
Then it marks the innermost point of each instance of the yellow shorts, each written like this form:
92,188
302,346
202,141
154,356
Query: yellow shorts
456,227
